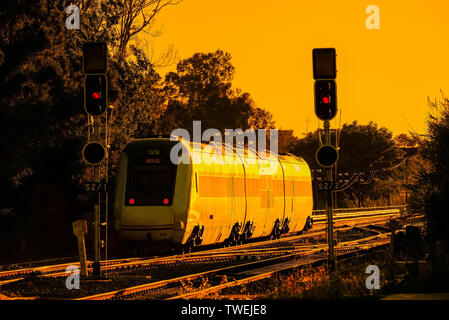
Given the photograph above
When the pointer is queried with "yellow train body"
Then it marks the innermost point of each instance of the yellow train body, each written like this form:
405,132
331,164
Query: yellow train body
211,199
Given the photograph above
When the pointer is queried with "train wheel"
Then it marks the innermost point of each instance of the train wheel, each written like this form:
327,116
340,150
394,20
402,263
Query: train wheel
178,250
276,233
186,249
308,224
243,238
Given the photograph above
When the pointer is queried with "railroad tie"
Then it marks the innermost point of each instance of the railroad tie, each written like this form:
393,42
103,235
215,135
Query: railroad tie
244,257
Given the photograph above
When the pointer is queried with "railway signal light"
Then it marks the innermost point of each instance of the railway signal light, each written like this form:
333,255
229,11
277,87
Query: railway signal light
326,156
95,57
93,153
95,94
324,73
324,63
95,104
325,99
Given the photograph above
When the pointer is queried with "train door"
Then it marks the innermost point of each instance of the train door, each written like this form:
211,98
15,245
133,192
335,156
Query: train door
237,195
228,197
265,194
293,208
282,186
265,202
232,196
289,192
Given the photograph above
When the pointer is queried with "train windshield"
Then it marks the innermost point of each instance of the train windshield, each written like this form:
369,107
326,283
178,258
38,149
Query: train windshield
150,178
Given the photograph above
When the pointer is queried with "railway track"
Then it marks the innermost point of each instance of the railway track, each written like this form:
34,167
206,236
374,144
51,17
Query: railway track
129,264
204,283
355,214
259,251
257,275
119,265
53,270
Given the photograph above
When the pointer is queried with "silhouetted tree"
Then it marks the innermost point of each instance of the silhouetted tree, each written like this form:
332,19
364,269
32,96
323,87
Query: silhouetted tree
363,148
137,16
432,185
42,120
31,87
201,89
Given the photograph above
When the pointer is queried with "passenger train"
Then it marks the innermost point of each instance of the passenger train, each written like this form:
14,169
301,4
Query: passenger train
223,198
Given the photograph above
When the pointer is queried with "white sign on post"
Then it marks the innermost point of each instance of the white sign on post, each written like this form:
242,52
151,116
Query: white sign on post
79,230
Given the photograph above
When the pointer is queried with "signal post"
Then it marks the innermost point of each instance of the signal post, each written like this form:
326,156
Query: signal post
324,73
329,202
95,105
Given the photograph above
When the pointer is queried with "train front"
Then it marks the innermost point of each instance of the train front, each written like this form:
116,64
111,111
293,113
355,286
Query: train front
152,194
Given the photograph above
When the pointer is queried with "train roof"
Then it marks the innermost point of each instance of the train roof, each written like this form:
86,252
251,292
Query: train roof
251,152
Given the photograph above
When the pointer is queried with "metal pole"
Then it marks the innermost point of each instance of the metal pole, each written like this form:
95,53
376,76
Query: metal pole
107,181
330,224
96,264
334,198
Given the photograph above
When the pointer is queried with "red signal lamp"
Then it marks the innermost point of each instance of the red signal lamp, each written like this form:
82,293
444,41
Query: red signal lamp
325,100
96,95
131,201
165,201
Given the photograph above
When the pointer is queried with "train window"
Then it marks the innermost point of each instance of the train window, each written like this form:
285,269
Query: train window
150,181
150,177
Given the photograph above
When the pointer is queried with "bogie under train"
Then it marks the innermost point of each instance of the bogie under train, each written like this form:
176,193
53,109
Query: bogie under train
214,200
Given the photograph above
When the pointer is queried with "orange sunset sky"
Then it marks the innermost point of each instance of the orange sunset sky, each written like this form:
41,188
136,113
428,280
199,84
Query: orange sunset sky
383,75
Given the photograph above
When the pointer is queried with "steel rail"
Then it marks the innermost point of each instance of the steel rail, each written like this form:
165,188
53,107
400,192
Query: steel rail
269,274
110,265
145,288
53,270
149,286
